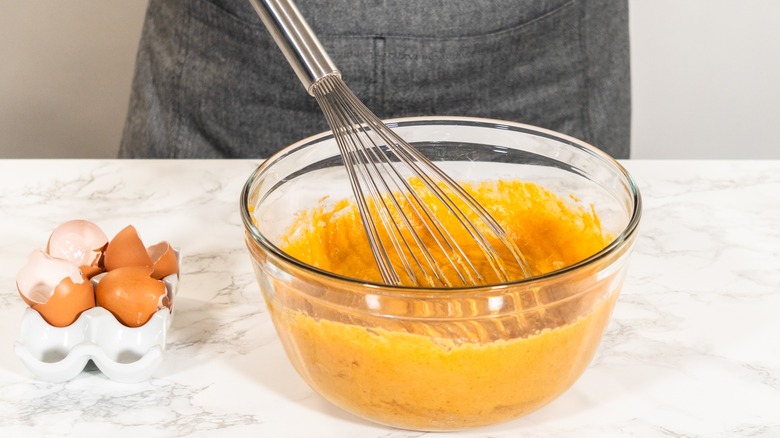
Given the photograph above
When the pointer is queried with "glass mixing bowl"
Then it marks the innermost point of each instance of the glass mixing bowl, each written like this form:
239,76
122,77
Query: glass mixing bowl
442,359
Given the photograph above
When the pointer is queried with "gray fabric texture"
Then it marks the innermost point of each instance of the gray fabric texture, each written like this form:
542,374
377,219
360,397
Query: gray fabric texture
210,82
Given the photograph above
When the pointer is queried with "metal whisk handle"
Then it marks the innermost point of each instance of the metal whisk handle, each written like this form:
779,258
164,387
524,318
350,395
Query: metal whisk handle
297,41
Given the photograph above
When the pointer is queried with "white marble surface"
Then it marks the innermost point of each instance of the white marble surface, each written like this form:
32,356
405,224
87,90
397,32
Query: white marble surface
693,349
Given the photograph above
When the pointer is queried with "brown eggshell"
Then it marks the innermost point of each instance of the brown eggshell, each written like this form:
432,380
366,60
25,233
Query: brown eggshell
67,302
126,249
90,271
130,294
164,260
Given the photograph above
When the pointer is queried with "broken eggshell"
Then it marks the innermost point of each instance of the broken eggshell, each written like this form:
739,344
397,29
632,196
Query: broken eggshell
65,327
54,287
126,249
131,294
164,260
81,242
121,353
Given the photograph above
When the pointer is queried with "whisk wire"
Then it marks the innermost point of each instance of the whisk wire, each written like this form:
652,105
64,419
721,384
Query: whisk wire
367,170
365,161
355,161
435,230
440,230
380,164
356,113
415,158
370,147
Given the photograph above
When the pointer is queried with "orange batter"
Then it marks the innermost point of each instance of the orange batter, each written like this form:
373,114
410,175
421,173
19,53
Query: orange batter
449,374
551,232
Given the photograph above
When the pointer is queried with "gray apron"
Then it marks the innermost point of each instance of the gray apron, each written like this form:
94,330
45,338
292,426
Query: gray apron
210,82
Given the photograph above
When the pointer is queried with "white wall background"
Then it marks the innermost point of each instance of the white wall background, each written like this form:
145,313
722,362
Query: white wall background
65,72
706,77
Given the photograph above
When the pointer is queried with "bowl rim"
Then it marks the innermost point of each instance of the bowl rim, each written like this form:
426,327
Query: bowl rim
378,288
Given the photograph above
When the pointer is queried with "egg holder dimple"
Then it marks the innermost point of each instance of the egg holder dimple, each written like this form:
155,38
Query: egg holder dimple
121,353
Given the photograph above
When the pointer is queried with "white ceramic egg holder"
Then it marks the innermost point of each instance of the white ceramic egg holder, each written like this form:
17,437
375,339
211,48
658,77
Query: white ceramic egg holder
124,354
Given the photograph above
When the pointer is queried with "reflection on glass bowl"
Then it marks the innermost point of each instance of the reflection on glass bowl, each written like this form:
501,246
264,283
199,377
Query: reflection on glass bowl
443,358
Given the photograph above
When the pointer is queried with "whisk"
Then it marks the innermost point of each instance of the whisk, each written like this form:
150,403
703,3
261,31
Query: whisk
403,199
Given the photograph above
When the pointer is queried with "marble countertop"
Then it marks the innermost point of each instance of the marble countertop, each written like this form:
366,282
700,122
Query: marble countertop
693,349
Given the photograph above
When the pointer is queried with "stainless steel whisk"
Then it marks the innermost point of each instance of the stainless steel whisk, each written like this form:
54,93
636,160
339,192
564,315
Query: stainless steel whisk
381,167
